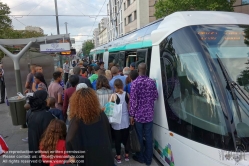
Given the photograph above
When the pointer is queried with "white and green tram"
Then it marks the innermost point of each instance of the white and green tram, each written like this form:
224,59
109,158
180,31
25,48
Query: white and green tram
200,61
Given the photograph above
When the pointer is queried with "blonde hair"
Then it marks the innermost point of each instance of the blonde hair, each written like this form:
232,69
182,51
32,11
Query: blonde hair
108,74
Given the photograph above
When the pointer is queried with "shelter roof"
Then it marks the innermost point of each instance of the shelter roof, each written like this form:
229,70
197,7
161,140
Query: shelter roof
36,41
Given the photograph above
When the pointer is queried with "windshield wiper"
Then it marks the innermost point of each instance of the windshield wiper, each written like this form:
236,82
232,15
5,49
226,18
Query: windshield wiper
230,87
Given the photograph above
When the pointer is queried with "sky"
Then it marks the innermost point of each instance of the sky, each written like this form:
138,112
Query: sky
76,25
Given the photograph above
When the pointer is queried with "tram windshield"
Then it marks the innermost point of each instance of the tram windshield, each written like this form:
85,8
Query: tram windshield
206,84
229,48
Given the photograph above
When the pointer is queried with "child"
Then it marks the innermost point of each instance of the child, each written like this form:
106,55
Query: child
52,144
51,103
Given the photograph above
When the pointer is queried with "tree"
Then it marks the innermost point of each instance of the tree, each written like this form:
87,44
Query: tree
6,30
10,33
87,46
166,7
5,21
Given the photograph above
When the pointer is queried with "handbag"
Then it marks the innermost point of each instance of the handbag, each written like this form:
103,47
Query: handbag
133,139
113,111
3,146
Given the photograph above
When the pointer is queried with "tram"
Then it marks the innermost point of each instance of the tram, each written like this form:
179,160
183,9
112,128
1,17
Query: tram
200,61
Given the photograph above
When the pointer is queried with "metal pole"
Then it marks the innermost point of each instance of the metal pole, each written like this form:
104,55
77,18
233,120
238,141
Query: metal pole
57,19
58,28
66,27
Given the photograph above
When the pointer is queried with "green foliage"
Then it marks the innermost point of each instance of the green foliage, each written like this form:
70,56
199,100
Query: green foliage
166,7
243,79
246,36
5,21
87,46
6,31
10,33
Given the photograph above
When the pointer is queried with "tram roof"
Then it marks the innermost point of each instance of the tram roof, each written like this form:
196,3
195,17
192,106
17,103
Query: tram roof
164,27
183,19
139,38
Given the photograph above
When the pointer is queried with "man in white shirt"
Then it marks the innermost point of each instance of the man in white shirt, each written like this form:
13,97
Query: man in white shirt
66,71
2,84
126,71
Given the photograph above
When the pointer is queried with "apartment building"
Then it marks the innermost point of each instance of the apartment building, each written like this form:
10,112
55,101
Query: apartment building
36,29
137,13
96,37
115,22
103,37
241,6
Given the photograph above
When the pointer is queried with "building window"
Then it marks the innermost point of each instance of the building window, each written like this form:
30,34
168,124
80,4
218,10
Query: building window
245,2
129,18
128,3
124,6
125,21
135,15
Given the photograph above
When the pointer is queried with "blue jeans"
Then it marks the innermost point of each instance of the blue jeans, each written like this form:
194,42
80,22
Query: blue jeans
146,151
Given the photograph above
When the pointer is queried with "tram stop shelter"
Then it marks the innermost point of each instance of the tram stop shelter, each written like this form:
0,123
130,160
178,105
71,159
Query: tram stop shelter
30,47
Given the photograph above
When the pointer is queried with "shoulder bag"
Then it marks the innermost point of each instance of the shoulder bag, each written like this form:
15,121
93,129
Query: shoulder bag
113,111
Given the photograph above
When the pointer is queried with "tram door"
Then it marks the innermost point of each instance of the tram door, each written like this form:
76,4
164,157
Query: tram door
131,58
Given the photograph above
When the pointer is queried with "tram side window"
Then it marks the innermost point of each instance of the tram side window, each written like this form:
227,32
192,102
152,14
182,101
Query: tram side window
121,60
114,59
144,56
100,57
111,58
141,56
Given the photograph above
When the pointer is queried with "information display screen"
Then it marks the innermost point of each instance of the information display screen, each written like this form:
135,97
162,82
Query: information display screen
220,35
227,35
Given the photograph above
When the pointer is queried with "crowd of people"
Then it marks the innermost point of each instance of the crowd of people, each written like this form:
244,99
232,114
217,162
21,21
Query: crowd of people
66,118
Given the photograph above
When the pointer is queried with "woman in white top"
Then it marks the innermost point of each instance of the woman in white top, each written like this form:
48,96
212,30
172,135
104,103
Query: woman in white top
121,131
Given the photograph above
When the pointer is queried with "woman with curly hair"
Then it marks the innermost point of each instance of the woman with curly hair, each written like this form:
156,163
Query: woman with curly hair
52,144
89,131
